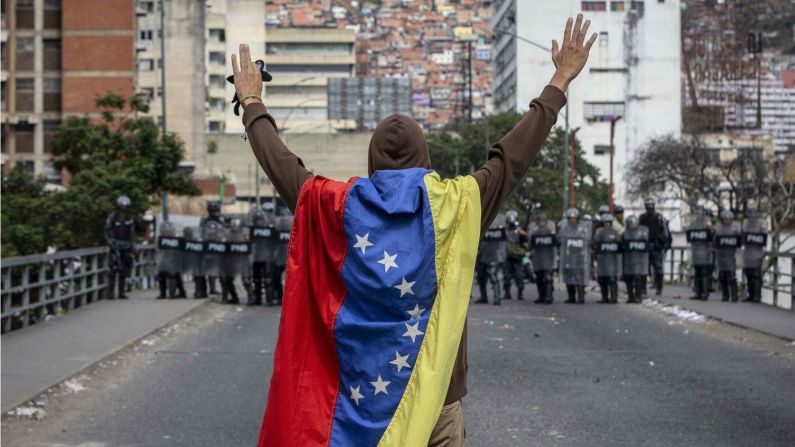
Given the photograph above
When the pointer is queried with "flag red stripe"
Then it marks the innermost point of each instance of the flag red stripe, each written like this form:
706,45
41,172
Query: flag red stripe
305,381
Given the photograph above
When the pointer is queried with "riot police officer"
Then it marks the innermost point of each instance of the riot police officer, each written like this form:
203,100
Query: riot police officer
236,263
660,239
606,245
120,236
635,242
215,249
542,246
169,262
699,236
515,239
618,222
726,242
193,259
754,241
575,259
262,232
284,224
213,215
491,256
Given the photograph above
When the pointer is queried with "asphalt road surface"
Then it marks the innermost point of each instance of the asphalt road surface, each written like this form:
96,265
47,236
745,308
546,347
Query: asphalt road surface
559,375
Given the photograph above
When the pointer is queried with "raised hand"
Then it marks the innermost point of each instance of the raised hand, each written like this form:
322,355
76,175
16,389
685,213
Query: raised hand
247,77
571,55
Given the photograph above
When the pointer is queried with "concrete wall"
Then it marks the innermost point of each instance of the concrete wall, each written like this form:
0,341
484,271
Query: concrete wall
338,156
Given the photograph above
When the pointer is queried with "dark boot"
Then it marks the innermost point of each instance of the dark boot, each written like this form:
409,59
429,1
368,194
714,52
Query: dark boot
211,286
571,291
180,286
123,286
233,299
581,294
520,293
484,297
603,288
507,293
200,287
162,283
614,292
550,294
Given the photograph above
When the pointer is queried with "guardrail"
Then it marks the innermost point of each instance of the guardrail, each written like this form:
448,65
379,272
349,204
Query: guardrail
37,286
778,287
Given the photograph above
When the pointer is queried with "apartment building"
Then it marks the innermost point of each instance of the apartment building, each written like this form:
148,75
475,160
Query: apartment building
56,58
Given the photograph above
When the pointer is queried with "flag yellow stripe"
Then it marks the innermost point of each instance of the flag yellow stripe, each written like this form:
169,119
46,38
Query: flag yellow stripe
455,208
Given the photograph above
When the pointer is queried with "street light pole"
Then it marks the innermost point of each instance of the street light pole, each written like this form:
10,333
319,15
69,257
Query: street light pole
613,121
163,89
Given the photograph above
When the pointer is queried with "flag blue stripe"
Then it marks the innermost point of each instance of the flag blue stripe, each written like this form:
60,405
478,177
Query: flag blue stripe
392,209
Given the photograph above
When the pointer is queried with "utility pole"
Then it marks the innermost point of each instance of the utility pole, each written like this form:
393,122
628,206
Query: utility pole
611,190
572,139
469,80
565,160
163,89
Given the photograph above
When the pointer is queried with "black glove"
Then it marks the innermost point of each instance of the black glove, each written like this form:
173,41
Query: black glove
266,77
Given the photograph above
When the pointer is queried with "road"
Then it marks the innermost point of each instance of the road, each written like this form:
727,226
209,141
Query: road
559,375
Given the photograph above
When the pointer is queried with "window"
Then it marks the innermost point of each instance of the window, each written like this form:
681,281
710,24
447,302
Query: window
637,7
52,14
217,58
602,111
217,104
52,94
25,53
52,4
25,14
24,85
215,126
217,81
52,85
145,34
601,149
146,64
147,93
617,6
23,133
594,6
52,54
50,131
217,35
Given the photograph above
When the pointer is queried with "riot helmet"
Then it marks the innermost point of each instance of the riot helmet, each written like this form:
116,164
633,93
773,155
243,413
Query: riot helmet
618,209
751,212
606,218
604,209
236,225
649,204
572,214
632,221
168,229
726,216
214,208
257,217
268,206
512,218
123,202
541,218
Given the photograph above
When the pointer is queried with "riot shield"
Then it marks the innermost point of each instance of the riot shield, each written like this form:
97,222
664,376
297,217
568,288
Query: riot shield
607,246
575,253
542,245
636,249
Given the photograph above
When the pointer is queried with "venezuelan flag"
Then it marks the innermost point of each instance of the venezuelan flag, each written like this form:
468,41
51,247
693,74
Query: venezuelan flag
378,280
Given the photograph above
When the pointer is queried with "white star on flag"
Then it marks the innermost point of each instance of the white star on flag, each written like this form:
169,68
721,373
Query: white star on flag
362,242
413,330
405,287
380,385
356,395
388,261
416,313
401,361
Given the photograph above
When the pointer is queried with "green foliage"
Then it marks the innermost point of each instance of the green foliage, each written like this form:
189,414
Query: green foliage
544,181
119,155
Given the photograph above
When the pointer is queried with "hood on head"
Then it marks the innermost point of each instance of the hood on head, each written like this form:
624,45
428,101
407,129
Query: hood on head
398,143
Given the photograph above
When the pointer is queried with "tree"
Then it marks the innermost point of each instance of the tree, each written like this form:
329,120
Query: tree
685,170
543,182
121,154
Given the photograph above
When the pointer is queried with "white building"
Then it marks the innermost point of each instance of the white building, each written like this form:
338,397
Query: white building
229,23
633,71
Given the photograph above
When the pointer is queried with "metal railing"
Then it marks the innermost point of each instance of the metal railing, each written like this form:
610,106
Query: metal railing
38,286
778,279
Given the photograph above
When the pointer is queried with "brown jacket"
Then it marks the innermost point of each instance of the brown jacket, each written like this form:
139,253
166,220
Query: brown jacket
398,143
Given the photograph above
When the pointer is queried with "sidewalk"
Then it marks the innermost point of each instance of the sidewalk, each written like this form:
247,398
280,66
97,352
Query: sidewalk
42,355
759,317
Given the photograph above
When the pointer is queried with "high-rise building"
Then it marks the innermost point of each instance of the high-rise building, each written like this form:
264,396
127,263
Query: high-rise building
301,60
56,58
632,72
229,23
184,22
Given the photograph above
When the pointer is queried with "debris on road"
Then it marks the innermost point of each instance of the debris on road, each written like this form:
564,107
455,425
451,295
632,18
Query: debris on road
675,311
73,386
29,412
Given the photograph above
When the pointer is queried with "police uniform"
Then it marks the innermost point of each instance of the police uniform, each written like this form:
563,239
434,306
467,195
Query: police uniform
754,241
120,236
